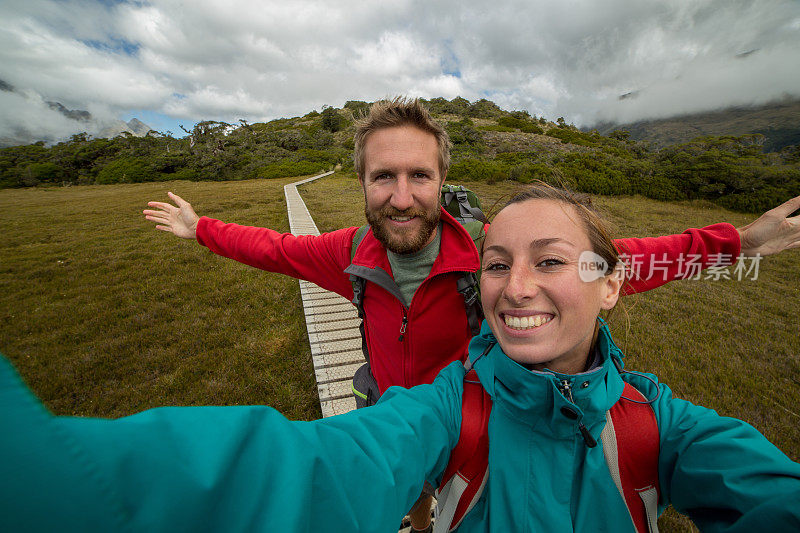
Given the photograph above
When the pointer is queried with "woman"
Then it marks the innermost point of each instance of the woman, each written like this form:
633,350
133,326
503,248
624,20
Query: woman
541,303
541,349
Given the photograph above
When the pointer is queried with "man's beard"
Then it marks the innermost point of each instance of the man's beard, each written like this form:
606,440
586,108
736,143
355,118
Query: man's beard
408,242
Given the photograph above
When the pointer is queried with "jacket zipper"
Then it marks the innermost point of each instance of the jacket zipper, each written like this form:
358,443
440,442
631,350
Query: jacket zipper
404,325
566,389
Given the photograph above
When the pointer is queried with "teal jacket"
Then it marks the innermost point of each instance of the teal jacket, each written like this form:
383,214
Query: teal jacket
542,477
250,469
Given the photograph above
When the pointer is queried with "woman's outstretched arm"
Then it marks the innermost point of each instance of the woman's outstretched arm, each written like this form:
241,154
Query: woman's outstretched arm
222,468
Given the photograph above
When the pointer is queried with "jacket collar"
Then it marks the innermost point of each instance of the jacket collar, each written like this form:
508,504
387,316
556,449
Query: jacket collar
458,253
535,398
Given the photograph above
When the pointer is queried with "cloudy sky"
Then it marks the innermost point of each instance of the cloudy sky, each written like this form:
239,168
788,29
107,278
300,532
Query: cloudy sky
171,62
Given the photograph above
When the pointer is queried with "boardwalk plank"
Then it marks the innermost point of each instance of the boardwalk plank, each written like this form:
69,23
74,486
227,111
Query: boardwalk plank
331,322
332,326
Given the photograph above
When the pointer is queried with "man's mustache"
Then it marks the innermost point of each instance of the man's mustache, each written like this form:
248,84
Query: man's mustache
386,212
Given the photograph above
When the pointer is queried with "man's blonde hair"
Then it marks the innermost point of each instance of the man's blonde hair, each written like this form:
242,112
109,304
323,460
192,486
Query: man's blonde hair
400,111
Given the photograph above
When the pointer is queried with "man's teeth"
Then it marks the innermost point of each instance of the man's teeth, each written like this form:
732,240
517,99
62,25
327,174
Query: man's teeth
526,322
401,219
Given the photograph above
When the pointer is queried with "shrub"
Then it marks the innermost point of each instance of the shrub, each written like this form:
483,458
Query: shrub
473,169
512,122
593,173
656,187
125,170
620,135
187,174
47,172
288,168
492,127
516,158
532,128
528,172
568,135
463,132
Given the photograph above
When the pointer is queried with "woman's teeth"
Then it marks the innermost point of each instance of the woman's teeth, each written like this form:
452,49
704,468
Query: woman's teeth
526,322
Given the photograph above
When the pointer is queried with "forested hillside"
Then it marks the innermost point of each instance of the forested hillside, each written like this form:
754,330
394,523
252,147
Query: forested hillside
489,144
779,122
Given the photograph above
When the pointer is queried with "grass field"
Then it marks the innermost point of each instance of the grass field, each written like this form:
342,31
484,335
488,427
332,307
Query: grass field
105,316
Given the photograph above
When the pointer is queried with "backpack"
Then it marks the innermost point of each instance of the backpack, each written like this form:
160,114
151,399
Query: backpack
462,203
630,445
465,207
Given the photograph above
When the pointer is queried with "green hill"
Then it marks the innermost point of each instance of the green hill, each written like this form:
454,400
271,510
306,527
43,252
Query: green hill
489,145
778,122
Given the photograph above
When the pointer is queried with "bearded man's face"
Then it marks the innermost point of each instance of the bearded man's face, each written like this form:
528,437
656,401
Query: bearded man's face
401,185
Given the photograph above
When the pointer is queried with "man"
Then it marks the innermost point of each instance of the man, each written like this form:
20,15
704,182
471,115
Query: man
415,253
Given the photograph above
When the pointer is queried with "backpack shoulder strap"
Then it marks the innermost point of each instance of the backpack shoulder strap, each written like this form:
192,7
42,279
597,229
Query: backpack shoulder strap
477,232
631,445
357,281
358,236
359,285
469,283
468,286
467,470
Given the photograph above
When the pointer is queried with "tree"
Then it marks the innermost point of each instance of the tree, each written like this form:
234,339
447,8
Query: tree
125,170
620,135
37,173
358,107
332,120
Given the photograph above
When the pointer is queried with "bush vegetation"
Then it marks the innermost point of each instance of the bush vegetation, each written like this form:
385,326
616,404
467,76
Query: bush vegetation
489,145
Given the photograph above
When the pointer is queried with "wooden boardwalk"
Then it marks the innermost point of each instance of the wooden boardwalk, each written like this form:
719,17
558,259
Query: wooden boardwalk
331,320
332,324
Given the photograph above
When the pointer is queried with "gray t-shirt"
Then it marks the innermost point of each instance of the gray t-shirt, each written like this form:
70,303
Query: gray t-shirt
410,270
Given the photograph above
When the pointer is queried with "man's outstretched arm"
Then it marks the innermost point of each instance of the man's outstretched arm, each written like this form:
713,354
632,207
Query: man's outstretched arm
653,261
319,259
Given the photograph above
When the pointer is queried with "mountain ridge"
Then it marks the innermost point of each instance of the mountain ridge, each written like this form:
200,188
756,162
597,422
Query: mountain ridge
778,122
53,111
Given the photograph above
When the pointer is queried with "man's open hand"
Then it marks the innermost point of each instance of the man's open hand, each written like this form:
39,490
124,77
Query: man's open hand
179,219
773,231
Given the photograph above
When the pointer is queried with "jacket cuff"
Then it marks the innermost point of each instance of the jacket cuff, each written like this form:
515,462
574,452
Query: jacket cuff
201,232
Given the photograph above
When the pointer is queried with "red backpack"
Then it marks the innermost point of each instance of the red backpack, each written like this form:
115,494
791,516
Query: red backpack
630,445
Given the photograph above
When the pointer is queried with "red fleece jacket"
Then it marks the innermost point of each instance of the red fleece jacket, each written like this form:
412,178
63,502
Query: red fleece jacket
437,332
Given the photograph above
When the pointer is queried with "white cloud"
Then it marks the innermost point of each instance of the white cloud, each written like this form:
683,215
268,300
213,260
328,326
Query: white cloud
395,54
27,118
224,60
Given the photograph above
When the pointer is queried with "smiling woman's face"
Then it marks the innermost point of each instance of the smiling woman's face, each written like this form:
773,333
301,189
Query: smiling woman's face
535,302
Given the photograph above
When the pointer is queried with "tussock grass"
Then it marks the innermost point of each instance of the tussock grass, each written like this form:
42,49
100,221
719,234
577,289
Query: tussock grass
105,316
